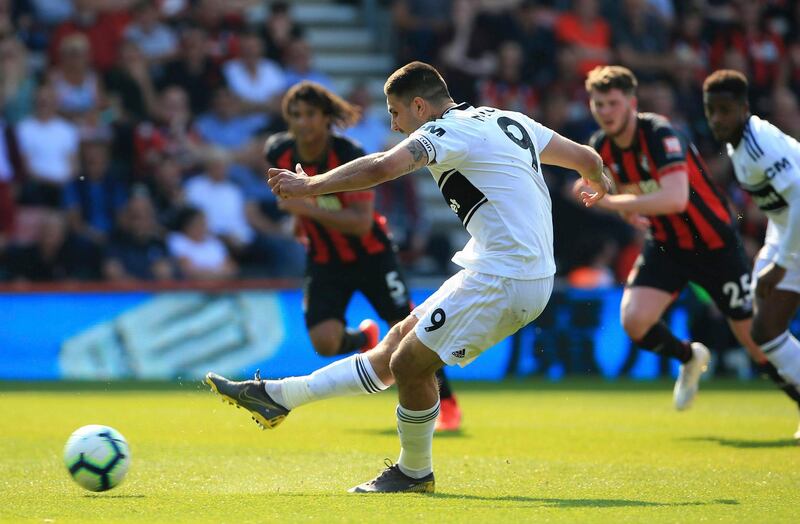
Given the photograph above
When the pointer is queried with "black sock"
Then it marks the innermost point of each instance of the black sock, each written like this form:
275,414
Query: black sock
660,340
352,340
444,384
771,372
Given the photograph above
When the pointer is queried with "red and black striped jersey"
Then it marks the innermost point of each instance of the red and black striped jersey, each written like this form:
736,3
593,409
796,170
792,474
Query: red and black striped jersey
658,150
327,245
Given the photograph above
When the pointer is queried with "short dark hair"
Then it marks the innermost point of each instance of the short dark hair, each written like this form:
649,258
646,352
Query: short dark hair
417,79
727,81
343,114
606,78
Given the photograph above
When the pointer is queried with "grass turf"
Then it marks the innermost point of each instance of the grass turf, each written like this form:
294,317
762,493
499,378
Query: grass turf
577,451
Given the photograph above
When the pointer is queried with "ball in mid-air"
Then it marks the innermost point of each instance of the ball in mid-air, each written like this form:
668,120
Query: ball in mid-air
97,457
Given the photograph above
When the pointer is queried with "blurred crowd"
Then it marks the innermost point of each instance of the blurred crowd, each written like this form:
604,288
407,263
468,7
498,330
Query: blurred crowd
532,56
132,138
132,131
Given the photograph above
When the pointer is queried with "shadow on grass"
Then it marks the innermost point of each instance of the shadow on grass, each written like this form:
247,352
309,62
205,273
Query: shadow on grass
541,501
584,503
392,432
103,496
746,444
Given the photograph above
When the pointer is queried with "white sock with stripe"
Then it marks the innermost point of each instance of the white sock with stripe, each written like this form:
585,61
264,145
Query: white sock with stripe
784,353
353,375
416,440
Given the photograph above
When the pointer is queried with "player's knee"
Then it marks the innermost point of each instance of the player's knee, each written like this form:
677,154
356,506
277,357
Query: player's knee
326,347
399,365
637,323
326,342
403,366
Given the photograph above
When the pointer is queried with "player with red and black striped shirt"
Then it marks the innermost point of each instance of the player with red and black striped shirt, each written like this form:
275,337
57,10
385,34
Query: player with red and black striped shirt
348,241
662,183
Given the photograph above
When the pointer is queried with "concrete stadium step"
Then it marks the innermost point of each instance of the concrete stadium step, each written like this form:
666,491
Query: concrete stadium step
352,39
325,14
353,63
345,83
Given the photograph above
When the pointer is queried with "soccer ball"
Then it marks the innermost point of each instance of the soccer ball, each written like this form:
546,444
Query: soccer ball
97,457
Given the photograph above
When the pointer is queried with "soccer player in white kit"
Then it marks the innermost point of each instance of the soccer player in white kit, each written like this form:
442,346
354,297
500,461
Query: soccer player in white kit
766,162
487,164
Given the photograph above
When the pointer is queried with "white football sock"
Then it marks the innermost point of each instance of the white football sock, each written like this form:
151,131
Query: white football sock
784,353
353,375
416,440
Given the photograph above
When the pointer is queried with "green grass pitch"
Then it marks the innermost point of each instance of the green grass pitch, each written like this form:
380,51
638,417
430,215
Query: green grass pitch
577,451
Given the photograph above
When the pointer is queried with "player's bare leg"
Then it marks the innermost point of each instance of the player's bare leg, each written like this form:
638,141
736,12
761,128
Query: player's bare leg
331,337
414,367
771,332
449,412
742,329
641,311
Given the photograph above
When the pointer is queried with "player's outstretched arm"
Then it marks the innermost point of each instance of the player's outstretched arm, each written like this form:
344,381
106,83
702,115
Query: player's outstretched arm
563,152
361,173
671,197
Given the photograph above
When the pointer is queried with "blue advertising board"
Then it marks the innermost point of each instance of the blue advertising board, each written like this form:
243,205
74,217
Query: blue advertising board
110,335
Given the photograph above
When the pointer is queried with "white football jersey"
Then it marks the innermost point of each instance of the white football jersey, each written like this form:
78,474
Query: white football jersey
767,165
486,163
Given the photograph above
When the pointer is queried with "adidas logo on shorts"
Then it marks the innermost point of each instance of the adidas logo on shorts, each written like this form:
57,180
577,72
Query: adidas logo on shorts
460,353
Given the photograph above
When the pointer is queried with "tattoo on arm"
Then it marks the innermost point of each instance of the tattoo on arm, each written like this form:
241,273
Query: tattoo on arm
418,154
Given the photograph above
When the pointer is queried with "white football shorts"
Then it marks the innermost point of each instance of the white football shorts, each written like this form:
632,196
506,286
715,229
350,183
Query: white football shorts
473,311
767,255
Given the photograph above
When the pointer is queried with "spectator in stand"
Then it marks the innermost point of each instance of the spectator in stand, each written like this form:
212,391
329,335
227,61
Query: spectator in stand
297,62
137,251
166,188
585,30
102,23
556,113
17,84
228,127
10,169
371,131
194,70
785,113
593,265
94,200
763,50
252,236
470,55
422,27
506,89
49,148
53,12
399,201
691,52
54,255
157,41
532,27
569,82
255,80
642,40
200,255
223,202
279,31
171,133
793,47
220,26
659,97
129,87
77,86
